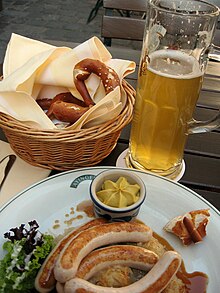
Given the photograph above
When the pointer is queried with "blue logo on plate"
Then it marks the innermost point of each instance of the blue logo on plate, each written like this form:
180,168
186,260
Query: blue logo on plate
80,179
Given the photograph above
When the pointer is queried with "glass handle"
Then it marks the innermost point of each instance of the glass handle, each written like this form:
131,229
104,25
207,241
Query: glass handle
195,126
214,53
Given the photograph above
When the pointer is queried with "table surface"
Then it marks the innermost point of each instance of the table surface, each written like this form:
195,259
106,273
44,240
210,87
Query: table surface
202,151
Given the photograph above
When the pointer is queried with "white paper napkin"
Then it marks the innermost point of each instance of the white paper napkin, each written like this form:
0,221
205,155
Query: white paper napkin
20,176
33,69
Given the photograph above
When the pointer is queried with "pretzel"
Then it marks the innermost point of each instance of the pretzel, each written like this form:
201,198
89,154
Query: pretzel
190,227
84,68
44,103
64,107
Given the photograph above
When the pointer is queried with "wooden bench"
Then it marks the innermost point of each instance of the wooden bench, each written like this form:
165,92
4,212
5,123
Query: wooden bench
123,19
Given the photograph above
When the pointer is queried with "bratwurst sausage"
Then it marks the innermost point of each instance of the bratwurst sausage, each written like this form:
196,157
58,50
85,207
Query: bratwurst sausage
155,281
127,255
73,253
45,280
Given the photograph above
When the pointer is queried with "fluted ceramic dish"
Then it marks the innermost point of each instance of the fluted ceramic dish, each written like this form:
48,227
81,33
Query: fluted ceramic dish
116,213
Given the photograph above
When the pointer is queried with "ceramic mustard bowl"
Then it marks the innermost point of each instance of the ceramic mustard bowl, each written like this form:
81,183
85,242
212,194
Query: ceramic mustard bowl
117,194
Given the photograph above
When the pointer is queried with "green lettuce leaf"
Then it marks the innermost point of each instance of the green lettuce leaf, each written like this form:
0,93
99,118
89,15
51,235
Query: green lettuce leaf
20,264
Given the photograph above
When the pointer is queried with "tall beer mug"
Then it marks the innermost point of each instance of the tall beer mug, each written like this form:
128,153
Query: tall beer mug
176,44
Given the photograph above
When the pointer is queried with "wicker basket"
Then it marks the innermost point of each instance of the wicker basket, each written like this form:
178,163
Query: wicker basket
66,149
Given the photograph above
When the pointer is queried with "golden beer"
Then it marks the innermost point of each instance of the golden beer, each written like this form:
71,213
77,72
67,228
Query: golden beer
167,92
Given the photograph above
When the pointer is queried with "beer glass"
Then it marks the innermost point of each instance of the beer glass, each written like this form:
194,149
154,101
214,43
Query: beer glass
177,40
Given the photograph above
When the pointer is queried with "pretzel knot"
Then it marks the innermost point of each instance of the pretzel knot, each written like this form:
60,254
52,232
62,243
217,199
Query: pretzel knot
83,70
67,108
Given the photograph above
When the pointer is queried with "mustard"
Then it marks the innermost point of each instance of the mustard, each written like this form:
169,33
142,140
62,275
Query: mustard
119,194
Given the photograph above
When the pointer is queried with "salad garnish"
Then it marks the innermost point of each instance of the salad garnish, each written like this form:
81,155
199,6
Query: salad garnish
26,250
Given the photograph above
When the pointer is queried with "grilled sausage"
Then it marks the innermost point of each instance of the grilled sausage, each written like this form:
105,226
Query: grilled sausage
128,255
71,256
155,281
45,280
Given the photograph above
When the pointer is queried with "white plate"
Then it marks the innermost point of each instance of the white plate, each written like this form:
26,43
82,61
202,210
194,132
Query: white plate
53,198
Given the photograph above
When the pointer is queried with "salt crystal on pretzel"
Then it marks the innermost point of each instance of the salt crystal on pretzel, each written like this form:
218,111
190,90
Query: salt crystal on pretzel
190,227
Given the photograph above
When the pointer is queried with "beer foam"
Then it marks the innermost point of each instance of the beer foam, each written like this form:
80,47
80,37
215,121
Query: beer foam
174,64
